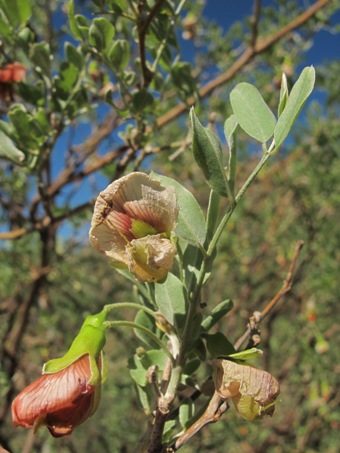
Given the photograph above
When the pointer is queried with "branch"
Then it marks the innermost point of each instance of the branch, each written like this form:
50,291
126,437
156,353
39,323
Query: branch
212,414
261,46
285,288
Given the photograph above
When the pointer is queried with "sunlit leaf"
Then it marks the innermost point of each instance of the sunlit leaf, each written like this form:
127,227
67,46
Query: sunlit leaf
252,113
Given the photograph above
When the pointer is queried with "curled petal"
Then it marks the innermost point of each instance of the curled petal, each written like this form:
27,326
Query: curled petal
253,391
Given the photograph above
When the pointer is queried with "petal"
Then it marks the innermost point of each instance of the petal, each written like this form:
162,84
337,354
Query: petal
151,257
108,242
60,400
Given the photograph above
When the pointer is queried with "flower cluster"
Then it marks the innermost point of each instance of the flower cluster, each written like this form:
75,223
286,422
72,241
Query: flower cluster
9,74
132,224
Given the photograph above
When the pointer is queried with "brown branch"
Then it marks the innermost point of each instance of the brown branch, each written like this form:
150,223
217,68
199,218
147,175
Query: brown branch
285,288
255,22
212,414
261,46
142,27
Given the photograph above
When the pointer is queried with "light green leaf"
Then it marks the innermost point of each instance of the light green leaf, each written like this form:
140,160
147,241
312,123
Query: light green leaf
298,96
252,113
17,11
171,301
191,223
218,312
248,354
283,94
139,365
208,154
145,320
101,33
74,56
230,127
119,55
9,151
41,57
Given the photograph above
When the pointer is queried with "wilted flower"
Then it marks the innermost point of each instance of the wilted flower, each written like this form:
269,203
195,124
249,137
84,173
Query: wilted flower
252,391
68,392
132,222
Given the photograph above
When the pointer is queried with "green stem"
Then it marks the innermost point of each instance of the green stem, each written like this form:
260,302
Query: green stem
110,307
133,325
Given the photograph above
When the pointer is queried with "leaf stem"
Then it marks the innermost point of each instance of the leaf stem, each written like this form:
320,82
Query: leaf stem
134,325
110,307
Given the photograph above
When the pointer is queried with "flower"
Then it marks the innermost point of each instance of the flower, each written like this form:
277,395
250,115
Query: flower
132,223
12,72
68,392
252,391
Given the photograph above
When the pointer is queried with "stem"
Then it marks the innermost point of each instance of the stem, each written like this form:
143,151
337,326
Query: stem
110,307
134,325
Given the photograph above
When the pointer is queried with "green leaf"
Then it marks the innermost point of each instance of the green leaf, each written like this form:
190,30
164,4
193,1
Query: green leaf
208,154
141,100
298,96
101,33
68,78
191,223
183,79
171,301
139,365
284,94
252,113
145,320
230,127
74,56
218,312
119,55
218,345
248,354
41,57
17,11
9,151
73,24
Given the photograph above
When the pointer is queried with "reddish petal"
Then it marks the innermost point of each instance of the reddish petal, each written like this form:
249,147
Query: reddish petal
60,400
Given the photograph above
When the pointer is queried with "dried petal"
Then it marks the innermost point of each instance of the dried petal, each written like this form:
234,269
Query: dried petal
253,391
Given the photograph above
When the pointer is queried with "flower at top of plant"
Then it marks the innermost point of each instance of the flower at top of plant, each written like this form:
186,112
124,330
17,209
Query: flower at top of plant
132,223
252,391
68,392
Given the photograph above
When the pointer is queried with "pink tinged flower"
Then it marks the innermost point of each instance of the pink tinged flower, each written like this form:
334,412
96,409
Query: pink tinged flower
132,223
68,392
61,400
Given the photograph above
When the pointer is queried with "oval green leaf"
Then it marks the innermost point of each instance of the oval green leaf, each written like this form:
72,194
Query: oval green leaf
252,113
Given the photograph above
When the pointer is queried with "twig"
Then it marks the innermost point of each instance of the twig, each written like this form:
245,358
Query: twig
255,22
285,288
212,414
142,27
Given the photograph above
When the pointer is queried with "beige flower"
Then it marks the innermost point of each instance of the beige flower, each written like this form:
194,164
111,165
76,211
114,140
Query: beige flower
252,391
131,224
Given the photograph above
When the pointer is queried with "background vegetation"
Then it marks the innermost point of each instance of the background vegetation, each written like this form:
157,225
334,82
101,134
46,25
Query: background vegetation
97,104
